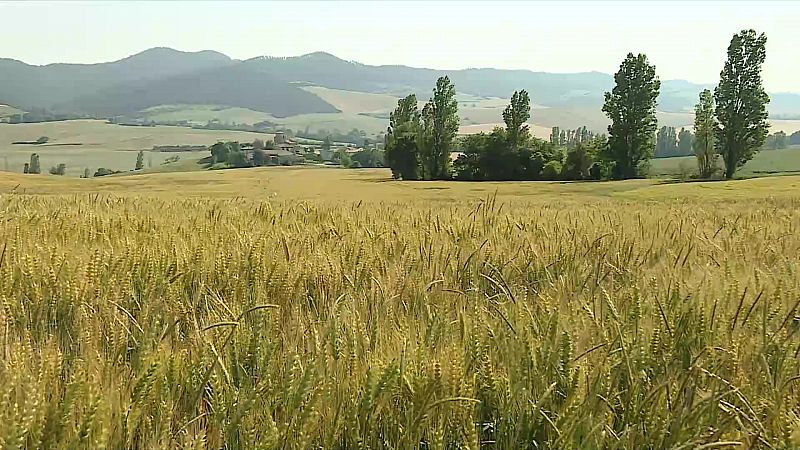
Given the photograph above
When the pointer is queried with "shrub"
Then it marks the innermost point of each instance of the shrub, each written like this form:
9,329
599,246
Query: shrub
61,169
551,170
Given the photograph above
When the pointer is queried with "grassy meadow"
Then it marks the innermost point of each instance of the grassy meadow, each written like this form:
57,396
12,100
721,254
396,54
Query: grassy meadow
6,110
302,308
765,162
94,143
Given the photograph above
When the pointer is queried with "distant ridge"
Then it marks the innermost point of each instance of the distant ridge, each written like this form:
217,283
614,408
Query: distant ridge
163,75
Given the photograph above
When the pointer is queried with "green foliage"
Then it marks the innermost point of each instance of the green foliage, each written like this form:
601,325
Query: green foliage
140,160
490,156
102,171
705,126
86,173
369,157
326,144
219,152
34,165
631,106
258,144
487,157
438,130
666,143
61,169
578,162
685,142
237,159
260,157
551,170
794,139
741,102
343,158
570,138
776,141
402,151
515,117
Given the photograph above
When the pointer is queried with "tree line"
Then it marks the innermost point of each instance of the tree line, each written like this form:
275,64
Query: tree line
731,123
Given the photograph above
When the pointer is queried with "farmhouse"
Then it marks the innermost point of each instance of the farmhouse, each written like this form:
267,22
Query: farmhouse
286,144
274,157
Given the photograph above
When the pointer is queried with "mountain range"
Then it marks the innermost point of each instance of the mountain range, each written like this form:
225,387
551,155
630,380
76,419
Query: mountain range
164,76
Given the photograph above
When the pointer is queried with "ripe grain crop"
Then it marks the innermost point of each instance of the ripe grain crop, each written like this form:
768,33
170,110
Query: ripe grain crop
150,323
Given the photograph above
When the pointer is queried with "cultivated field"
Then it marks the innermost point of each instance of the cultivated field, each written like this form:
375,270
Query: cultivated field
6,110
201,114
301,308
100,144
765,162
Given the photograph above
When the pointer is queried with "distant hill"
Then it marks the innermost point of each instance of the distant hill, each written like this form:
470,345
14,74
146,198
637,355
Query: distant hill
163,76
232,86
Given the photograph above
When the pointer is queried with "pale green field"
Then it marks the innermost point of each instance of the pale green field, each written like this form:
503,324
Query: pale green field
333,121
766,162
201,114
102,145
6,110
350,102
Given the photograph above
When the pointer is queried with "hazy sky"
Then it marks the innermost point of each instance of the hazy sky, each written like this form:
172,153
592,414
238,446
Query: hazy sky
685,40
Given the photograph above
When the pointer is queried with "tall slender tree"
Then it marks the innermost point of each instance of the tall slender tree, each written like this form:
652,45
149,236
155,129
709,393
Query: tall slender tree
439,127
402,152
515,115
140,160
631,106
35,166
685,140
704,129
741,108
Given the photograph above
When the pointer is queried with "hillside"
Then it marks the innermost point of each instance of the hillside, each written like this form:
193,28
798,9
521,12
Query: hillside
163,76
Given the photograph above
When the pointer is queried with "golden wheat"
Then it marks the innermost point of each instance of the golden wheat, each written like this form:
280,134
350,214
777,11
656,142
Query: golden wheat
149,323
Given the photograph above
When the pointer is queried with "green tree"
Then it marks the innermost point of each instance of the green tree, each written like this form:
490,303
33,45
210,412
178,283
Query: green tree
741,102
705,127
34,166
779,140
343,158
551,170
87,173
368,158
555,136
326,143
578,162
631,106
140,160
402,152
61,169
439,127
236,157
515,115
685,141
794,138
219,152
260,157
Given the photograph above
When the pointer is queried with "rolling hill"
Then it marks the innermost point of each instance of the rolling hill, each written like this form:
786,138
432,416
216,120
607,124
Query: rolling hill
305,86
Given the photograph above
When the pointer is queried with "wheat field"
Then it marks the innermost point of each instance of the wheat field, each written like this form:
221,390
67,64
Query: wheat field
491,320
